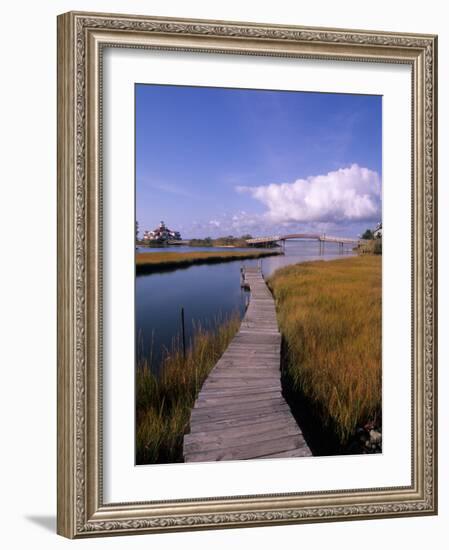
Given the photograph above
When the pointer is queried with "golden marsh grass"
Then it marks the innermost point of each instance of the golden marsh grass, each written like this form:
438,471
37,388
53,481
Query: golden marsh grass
152,261
329,313
164,402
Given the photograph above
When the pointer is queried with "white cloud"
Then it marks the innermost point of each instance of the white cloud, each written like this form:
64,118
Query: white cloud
214,223
346,195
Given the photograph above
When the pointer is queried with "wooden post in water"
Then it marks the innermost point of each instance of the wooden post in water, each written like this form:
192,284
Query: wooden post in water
183,334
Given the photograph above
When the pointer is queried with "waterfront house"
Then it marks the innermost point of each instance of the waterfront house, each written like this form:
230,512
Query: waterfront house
162,234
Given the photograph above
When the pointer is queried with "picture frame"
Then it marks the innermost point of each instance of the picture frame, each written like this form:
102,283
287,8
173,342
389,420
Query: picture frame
82,40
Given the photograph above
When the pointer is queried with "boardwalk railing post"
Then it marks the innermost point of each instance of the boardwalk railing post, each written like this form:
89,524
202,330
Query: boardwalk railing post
183,334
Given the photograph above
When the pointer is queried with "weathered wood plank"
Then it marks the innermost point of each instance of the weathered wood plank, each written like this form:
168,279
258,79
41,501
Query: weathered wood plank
240,412
251,364
241,383
229,400
250,450
210,443
223,413
241,430
252,415
240,421
237,406
239,374
236,392
250,355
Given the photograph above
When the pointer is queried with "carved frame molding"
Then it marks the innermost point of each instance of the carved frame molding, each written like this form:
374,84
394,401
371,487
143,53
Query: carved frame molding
81,39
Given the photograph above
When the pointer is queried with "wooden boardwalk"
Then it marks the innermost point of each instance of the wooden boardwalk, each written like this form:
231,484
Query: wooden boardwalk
240,412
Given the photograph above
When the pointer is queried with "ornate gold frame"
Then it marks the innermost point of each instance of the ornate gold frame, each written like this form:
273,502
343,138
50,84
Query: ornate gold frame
81,37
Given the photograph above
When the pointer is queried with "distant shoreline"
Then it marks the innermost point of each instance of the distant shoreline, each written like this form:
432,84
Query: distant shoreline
174,246
151,262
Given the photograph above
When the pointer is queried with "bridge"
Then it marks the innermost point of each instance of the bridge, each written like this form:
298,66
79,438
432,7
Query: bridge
321,238
240,412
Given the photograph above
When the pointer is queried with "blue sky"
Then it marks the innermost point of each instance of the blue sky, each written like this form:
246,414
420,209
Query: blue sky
215,161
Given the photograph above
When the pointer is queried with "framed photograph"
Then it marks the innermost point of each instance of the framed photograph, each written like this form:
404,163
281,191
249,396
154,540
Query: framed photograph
246,274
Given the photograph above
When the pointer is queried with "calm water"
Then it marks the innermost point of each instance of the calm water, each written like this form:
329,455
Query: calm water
208,293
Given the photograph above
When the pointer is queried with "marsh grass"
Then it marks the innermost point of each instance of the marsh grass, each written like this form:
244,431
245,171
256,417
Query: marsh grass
329,314
148,262
164,402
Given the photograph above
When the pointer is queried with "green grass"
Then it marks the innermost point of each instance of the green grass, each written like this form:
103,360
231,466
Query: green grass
329,314
164,403
372,246
148,262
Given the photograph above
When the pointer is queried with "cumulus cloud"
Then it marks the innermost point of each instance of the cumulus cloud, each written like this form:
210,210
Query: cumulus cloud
345,195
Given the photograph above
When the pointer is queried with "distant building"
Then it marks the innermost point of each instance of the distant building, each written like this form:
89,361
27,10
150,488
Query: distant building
377,233
162,234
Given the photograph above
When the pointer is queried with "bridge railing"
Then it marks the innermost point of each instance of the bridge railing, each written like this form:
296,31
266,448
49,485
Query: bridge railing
314,236
264,239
